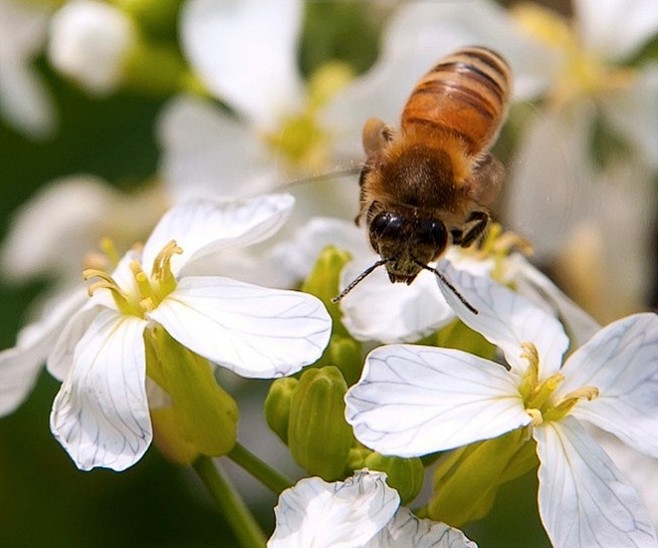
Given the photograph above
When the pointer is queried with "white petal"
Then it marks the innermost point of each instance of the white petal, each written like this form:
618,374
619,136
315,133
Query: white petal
640,469
254,331
531,282
19,370
414,400
506,319
621,361
245,52
298,254
342,514
615,29
60,358
378,310
207,153
204,227
24,99
407,531
100,415
583,499
20,366
72,207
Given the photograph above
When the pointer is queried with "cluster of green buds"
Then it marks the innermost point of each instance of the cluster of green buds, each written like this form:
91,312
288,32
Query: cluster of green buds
307,412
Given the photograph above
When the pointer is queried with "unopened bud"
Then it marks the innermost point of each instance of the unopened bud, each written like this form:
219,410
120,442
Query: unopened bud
467,479
324,280
318,435
277,406
404,475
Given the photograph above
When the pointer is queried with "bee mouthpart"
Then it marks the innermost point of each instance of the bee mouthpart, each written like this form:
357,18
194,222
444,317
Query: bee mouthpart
448,284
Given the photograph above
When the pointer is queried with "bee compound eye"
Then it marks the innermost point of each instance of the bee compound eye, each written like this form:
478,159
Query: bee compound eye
433,233
386,224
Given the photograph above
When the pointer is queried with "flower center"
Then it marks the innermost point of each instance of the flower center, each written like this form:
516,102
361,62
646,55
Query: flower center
538,396
147,292
300,138
583,73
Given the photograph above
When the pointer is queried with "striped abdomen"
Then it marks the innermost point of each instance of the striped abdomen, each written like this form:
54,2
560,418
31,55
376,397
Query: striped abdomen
465,95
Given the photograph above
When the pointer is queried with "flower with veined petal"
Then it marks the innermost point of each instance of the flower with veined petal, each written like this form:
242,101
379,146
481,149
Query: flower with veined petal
381,311
415,400
101,413
360,512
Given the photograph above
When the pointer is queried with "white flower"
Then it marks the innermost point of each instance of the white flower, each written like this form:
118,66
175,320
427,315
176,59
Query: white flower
24,101
414,400
361,511
89,42
101,413
79,211
20,365
378,310
557,192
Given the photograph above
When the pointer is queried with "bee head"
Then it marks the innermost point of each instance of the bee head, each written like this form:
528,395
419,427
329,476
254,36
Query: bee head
405,242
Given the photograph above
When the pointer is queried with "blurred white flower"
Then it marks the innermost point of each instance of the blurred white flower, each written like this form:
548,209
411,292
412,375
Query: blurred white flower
52,234
558,193
415,400
101,413
246,55
20,365
90,42
24,101
360,512
416,37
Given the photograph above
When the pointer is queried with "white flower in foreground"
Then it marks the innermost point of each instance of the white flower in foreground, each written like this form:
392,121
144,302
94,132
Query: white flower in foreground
101,414
24,101
360,512
90,42
414,400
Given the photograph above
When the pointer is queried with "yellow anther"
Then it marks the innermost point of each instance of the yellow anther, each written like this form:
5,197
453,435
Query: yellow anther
161,270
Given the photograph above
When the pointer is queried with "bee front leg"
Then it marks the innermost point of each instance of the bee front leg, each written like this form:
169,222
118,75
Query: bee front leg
481,220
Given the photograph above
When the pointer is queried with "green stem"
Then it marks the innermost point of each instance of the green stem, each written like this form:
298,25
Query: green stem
259,469
232,506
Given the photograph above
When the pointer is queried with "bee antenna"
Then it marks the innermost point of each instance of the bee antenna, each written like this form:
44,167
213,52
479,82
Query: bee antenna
358,279
449,285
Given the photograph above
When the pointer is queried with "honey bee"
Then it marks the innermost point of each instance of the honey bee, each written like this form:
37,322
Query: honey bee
428,185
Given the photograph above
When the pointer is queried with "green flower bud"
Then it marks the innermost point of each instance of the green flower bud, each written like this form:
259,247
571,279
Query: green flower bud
318,435
206,416
405,475
324,281
344,353
277,406
467,479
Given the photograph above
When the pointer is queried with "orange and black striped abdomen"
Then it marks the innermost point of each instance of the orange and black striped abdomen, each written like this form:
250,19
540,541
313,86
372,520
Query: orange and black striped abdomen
464,95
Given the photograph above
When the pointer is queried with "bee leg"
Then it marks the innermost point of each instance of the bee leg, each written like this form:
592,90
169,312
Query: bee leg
481,219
